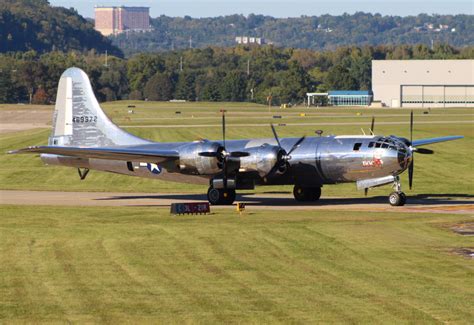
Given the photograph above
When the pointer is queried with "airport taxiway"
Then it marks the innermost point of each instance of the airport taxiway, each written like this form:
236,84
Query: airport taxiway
452,204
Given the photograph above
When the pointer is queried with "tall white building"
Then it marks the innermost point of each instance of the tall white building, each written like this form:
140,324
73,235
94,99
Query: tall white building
423,83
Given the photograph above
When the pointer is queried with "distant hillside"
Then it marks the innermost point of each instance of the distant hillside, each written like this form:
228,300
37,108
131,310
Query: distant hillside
317,33
35,25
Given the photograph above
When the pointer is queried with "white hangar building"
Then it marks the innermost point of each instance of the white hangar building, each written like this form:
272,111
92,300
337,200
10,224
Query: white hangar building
423,83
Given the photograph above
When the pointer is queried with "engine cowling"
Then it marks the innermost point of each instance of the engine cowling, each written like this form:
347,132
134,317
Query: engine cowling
263,159
191,162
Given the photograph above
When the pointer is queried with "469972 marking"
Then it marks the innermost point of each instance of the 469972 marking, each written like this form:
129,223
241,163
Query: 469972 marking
84,119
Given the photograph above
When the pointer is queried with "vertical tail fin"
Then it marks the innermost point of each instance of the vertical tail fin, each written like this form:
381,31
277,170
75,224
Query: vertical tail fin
78,119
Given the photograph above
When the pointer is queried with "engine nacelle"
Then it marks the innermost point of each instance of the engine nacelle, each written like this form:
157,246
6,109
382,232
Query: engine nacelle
261,159
191,162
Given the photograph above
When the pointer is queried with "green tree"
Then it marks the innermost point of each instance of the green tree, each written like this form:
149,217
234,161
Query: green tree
6,86
185,87
294,83
159,87
340,78
141,68
233,87
361,71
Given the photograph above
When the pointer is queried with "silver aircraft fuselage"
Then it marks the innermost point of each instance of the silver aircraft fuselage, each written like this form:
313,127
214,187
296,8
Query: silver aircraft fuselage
317,161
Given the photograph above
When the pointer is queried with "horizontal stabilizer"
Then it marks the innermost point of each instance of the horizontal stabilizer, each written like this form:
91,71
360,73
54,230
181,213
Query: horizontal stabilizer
423,142
125,154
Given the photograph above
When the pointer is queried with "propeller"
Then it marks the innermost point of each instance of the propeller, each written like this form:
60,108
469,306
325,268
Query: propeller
412,163
423,151
372,125
222,155
414,150
284,157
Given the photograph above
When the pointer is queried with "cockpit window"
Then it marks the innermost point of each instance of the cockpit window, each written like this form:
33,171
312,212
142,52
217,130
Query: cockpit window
357,146
385,143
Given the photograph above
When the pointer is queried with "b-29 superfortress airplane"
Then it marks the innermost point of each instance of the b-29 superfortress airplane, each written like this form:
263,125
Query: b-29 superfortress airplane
83,137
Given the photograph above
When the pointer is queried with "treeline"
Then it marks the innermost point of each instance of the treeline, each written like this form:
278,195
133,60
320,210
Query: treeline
324,32
34,25
210,74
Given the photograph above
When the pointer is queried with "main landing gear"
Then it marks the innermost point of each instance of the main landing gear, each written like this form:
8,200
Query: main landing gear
306,194
397,198
220,196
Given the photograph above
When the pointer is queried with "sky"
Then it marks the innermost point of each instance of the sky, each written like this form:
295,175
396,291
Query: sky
277,8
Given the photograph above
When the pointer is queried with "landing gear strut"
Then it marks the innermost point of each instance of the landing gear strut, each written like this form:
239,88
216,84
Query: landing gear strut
397,198
220,196
306,194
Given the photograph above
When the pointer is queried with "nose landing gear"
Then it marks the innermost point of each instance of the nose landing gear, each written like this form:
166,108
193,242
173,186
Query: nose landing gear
397,198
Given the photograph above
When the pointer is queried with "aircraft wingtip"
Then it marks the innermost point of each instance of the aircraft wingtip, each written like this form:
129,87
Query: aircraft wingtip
16,151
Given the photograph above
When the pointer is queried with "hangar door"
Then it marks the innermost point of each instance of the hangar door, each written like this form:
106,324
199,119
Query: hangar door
437,95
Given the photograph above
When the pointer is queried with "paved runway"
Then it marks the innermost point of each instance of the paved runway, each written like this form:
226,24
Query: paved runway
453,204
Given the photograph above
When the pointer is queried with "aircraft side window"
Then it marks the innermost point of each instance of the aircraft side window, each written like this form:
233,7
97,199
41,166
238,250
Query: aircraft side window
385,145
377,145
357,146
371,144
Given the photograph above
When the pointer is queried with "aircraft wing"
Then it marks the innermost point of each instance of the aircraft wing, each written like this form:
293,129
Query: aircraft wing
422,142
125,154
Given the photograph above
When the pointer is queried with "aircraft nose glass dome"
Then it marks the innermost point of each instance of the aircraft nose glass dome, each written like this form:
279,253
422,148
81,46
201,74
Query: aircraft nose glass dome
387,143
404,155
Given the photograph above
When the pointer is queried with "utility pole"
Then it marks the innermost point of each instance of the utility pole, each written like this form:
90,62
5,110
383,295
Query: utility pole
248,67
106,59
181,64
190,42
31,94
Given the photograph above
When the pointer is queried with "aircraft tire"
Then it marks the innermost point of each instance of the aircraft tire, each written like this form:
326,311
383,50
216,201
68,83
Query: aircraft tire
299,193
404,198
315,193
220,196
397,199
306,194
230,197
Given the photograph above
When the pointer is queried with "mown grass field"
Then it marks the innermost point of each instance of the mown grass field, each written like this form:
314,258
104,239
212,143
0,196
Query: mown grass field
449,171
139,265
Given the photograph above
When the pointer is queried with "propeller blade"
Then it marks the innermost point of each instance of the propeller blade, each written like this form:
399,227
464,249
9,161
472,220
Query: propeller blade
372,125
276,135
297,144
225,173
424,151
411,127
223,128
410,172
239,154
208,154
